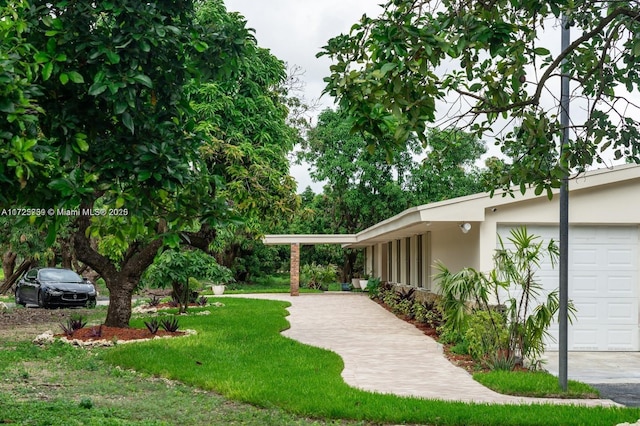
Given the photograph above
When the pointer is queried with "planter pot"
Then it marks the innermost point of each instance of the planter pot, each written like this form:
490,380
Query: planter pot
346,287
363,284
218,289
355,282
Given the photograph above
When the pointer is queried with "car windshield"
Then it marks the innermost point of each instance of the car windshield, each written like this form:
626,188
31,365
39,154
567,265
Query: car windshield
60,275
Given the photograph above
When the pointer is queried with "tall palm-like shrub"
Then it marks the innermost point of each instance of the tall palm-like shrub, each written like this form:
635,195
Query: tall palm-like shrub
511,288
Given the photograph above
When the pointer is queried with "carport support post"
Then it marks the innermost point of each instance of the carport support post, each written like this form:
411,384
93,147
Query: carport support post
563,314
294,271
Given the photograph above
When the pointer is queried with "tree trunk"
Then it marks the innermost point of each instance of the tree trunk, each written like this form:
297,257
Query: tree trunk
120,294
8,263
11,279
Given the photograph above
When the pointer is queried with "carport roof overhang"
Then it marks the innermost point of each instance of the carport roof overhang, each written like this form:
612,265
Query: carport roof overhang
413,221
279,239
448,213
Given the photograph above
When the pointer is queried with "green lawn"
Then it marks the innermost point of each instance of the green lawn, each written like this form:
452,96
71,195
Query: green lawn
240,353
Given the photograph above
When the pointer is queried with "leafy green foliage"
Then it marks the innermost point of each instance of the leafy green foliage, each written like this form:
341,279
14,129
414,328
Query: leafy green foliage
366,184
318,277
175,268
526,318
487,335
23,156
482,65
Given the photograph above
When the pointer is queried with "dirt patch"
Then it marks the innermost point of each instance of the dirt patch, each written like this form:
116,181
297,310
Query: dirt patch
32,321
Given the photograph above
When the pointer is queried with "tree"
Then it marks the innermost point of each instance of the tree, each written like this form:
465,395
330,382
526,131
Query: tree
176,267
449,169
127,157
22,156
486,60
364,185
243,111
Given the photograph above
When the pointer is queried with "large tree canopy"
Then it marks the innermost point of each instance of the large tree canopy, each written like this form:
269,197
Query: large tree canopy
107,112
485,62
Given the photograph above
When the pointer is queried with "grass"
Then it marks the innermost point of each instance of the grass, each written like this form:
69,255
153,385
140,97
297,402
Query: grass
63,385
534,384
279,283
240,353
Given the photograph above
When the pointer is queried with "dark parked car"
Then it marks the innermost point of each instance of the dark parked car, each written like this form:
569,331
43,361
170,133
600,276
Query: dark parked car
53,287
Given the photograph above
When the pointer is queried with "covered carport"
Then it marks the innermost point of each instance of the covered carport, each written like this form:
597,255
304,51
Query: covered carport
295,241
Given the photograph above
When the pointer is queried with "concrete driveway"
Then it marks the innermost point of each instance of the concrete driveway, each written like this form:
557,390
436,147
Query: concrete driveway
615,374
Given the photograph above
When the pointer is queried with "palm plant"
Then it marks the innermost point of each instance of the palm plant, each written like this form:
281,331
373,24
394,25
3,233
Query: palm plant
513,279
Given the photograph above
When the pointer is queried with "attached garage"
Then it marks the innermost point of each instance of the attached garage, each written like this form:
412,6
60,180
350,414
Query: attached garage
603,285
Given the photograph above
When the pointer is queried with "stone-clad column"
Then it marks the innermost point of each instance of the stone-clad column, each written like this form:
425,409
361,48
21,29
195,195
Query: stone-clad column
294,273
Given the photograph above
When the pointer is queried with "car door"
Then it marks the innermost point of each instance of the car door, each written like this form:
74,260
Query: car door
29,287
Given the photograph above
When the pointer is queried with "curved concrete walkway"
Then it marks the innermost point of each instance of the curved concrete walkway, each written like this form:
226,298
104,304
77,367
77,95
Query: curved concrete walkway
384,354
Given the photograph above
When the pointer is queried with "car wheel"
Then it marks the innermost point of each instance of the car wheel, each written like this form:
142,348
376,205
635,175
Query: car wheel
41,302
19,300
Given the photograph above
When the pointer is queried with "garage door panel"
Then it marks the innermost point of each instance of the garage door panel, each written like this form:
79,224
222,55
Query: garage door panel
585,285
621,284
584,257
585,339
621,312
621,338
618,258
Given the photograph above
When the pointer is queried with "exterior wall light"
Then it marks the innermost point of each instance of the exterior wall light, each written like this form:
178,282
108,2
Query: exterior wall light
465,227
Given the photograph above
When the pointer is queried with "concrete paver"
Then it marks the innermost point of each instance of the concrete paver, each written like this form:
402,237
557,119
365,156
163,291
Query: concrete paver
384,354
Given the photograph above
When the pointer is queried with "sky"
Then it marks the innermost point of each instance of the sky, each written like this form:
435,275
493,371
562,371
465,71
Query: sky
295,31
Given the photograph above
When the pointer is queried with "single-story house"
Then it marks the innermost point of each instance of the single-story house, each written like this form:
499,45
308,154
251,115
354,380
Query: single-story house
604,248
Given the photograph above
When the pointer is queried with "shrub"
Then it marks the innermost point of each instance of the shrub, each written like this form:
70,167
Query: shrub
527,318
153,325
486,334
75,322
170,324
96,332
318,276
374,287
429,313
501,360
154,301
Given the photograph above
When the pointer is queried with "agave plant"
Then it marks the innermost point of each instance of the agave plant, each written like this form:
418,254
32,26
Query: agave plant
153,325
170,324
75,322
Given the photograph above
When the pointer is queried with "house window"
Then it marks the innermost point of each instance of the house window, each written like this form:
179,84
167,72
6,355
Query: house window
419,260
390,261
398,262
407,253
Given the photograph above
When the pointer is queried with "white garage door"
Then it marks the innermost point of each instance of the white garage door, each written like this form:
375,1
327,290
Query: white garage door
603,285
